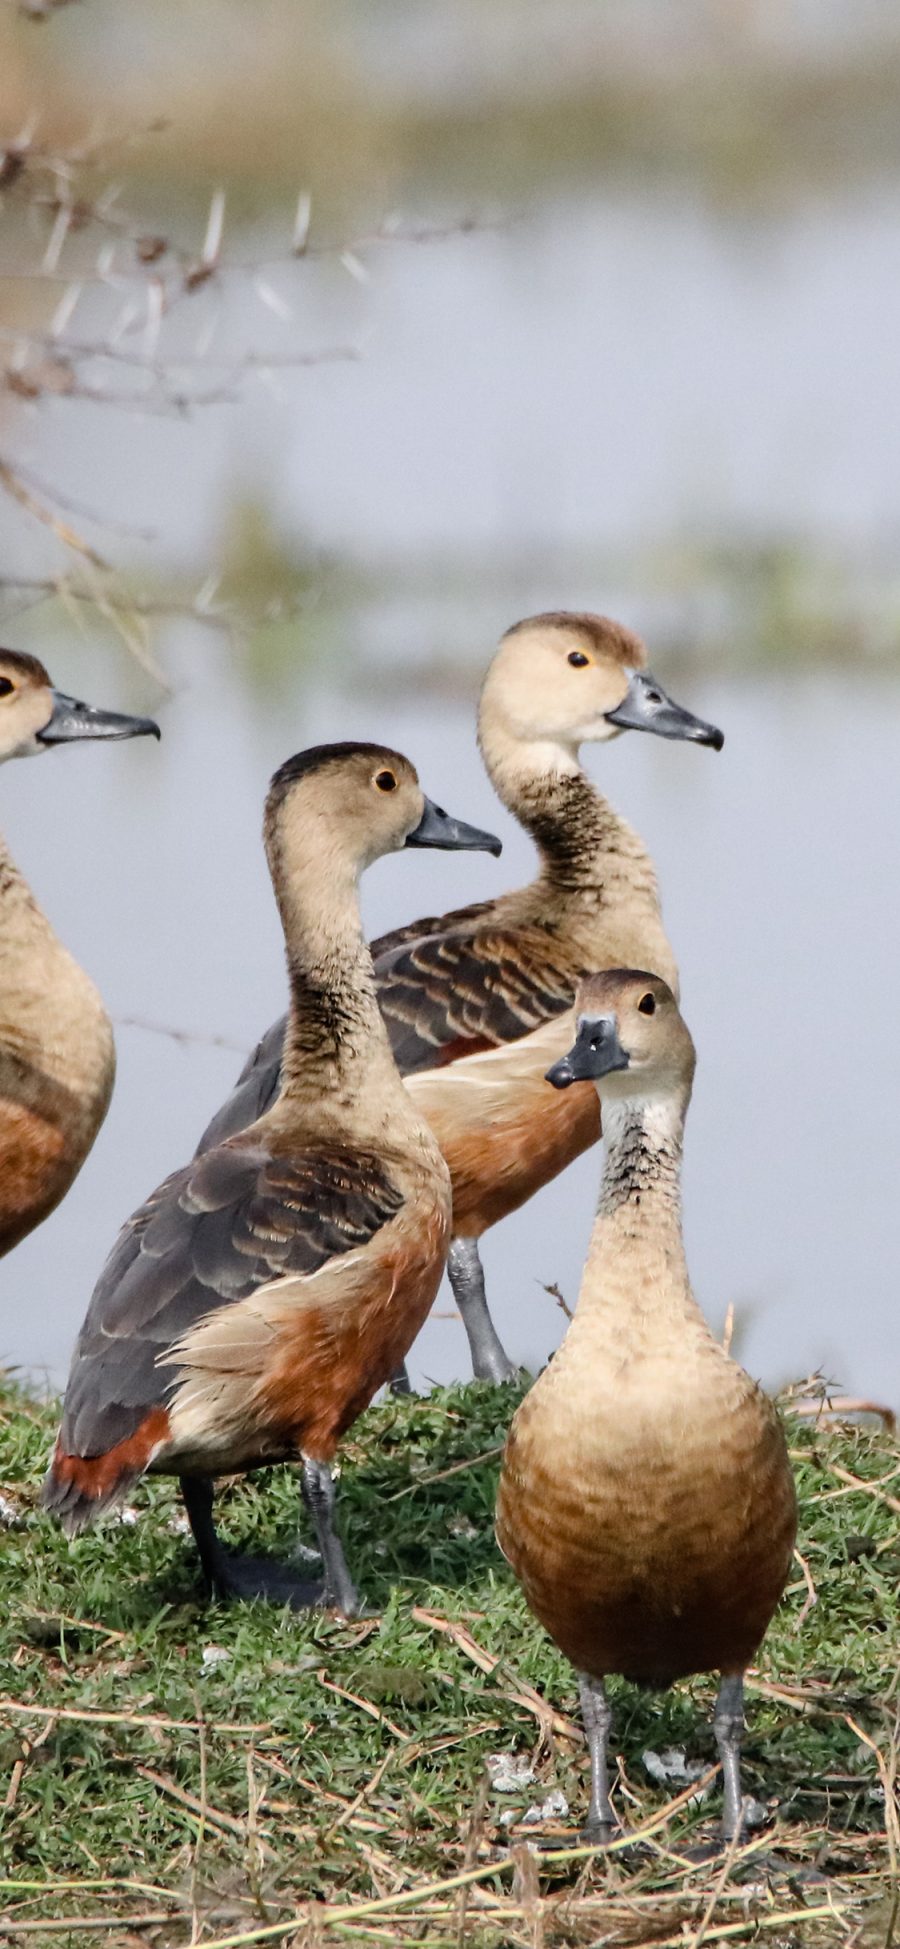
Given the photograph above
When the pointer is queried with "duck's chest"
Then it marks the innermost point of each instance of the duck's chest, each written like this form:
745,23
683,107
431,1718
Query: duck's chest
649,1517
57,1064
55,1035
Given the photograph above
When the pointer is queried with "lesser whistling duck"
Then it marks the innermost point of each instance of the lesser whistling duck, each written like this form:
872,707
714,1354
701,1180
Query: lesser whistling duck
646,1500
254,1305
57,1056
478,1001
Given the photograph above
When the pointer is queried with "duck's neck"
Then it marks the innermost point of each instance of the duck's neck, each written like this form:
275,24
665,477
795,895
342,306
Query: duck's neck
636,1279
337,1052
584,845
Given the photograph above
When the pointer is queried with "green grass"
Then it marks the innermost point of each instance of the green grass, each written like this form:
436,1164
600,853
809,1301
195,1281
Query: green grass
305,1806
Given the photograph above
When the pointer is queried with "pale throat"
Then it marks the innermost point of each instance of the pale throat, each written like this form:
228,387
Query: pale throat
512,757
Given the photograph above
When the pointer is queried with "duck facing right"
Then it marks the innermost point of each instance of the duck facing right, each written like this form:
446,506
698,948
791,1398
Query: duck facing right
646,1499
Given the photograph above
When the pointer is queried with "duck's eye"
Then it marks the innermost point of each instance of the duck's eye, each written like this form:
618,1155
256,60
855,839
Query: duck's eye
6,686
578,659
647,1004
385,781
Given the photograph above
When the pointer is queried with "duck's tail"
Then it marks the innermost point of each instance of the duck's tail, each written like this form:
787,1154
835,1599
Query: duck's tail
78,1488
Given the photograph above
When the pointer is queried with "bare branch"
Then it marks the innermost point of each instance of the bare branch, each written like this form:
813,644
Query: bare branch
89,248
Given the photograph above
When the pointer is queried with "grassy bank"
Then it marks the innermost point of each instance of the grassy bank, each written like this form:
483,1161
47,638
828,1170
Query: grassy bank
172,1772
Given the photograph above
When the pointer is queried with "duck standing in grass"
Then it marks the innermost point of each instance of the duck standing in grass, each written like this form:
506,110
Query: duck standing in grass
478,1001
57,1055
255,1304
646,1500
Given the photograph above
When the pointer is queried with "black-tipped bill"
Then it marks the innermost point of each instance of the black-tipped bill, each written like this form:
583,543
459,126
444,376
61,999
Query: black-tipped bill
646,707
437,828
595,1052
71,719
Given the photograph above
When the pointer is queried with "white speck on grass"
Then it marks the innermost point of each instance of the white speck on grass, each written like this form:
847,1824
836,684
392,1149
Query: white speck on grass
555,1807
755,1814
672,1764
213,1655
508,1773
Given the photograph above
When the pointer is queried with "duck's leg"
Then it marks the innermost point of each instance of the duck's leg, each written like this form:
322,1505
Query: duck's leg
318,1494
227,1575
596,1712
728,1726
489,1361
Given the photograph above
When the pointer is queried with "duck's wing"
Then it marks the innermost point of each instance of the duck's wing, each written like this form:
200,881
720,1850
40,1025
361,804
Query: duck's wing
420,930
450,992
235,1219
456,994
260,1079
254,1092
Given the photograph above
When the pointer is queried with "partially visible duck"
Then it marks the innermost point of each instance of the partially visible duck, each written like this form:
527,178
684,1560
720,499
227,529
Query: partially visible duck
253,1306
478,1001
646,1500
57,1058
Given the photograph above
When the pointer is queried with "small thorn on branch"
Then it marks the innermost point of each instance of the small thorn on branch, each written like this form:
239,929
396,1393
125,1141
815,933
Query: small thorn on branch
561,1302
208,262
149,250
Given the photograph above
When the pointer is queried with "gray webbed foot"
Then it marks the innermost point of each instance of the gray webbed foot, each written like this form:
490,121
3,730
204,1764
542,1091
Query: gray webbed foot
247,1577
599,1833
231,1576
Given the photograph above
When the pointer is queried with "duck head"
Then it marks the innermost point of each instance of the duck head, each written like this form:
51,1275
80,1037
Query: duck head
349,804
564,679
34,716
630,1040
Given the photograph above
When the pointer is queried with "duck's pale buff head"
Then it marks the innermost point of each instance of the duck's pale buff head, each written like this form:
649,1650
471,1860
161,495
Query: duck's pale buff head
34,716
631,1039
341,806
565,679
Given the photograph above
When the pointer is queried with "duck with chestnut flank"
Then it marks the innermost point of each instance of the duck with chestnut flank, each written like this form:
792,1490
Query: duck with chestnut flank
57,1056
477,1002
254,1305
646,1501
